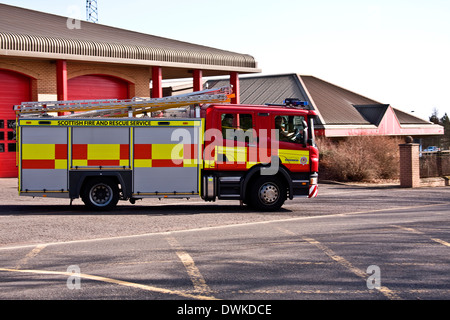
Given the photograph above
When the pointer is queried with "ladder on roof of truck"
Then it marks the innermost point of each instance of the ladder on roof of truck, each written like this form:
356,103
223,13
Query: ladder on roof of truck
122,108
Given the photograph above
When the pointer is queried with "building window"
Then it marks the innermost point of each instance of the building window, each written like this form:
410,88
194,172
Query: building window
11,124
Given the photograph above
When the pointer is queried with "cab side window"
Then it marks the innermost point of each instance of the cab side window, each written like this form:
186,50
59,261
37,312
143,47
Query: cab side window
290,128
237,127
245,122
228,122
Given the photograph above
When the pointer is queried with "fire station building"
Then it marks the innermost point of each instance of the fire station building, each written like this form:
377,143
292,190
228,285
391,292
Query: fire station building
341,112
44,57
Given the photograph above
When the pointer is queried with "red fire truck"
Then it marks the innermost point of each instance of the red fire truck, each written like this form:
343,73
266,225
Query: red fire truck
260,155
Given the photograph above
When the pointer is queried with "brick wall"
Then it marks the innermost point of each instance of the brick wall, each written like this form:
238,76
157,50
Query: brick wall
139,77
43,74
409,165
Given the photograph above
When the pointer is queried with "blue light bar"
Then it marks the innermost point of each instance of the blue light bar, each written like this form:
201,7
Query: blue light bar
295,102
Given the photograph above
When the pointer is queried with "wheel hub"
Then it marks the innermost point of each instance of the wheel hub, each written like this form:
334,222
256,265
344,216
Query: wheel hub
101,194
269,193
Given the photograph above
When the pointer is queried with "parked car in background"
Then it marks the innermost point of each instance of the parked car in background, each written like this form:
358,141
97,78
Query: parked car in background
432,149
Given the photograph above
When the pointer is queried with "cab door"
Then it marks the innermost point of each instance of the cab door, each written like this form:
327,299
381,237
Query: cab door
292,150
237,150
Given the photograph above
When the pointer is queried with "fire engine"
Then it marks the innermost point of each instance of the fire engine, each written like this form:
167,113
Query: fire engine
103,151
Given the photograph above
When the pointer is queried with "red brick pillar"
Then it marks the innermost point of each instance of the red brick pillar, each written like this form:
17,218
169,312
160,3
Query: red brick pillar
409,164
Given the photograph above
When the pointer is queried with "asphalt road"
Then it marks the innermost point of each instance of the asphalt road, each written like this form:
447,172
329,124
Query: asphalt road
351,242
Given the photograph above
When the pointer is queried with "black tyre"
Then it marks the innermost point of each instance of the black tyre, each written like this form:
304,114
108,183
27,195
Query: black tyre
267,193
100,194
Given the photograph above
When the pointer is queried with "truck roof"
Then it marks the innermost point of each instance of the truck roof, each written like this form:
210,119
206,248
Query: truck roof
260,108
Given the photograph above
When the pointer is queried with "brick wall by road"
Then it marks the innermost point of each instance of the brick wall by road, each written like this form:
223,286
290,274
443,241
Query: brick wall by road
409,165
43,74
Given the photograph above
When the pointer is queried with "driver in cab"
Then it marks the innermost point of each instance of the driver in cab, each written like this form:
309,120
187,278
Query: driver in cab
279,125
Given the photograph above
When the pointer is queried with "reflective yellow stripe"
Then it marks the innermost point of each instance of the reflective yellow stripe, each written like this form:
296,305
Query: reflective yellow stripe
190,162
233,154
251,164
103,151
79,163
38,151
142,163
294,156
167,151
61,164
209,164
172,123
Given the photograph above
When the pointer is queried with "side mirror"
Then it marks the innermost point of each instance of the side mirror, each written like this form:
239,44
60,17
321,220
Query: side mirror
305,133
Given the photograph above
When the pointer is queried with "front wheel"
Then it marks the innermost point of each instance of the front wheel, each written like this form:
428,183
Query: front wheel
100,194
267,193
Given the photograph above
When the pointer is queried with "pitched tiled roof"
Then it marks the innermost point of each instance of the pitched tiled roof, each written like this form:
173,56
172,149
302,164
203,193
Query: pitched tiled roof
266,89
38,33
405,118
336,105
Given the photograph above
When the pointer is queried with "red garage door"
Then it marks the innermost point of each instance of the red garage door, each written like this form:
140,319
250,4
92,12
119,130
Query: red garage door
97,87
15,88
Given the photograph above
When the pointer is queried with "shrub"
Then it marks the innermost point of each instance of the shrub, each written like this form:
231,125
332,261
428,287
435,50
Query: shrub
359,158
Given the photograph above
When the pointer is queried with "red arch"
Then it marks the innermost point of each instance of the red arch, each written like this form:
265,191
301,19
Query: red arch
15,88
97,86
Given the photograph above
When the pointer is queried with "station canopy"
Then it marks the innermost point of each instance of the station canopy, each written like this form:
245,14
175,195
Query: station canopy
29,33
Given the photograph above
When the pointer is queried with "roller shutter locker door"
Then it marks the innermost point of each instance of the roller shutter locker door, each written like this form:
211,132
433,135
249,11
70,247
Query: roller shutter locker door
97,87
44,159
15,88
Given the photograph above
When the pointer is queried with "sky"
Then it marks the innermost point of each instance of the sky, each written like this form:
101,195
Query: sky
396,52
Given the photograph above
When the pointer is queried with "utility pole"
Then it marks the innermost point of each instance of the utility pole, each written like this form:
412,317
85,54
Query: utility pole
91,11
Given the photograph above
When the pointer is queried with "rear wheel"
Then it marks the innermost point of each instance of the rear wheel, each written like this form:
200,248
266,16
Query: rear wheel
100,194
267,193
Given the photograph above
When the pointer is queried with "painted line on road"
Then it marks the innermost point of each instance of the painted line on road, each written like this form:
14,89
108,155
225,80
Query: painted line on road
391,295
445,243
33,253
194,273
388,293
114,281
